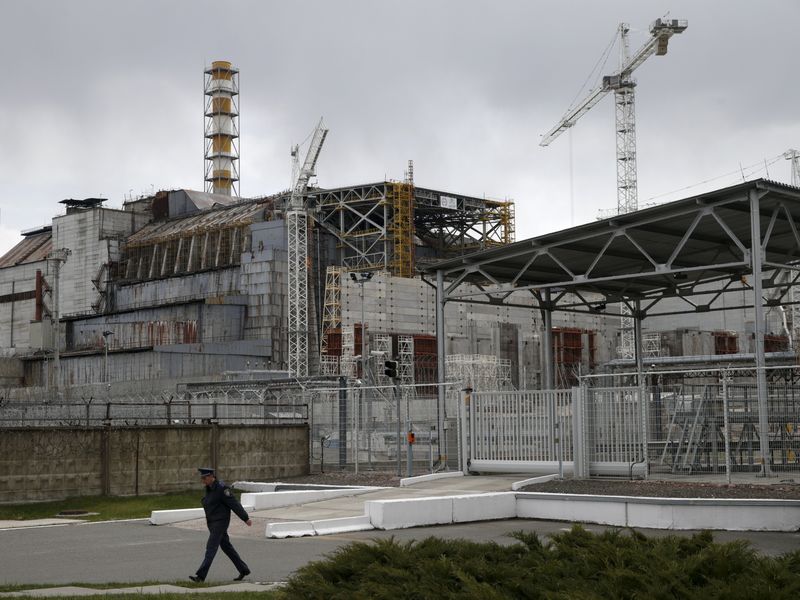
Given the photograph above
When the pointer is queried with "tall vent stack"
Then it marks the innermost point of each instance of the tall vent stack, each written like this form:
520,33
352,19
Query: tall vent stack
222,128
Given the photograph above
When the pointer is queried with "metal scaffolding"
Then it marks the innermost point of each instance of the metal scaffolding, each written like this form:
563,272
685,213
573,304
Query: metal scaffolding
332,307
393,226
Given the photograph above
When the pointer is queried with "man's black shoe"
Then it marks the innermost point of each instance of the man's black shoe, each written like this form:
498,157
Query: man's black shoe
242,575
196,578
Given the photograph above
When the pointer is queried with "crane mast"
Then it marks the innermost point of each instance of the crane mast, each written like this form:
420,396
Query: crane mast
794,156
622,84
297,238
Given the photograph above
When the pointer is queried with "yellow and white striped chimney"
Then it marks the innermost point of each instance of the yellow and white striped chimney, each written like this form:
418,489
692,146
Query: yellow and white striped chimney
222,128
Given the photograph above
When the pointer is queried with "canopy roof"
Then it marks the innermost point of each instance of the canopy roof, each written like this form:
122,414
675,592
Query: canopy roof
680,249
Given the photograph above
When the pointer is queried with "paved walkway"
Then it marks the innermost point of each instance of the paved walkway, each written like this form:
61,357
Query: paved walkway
120,551
142,590
353,506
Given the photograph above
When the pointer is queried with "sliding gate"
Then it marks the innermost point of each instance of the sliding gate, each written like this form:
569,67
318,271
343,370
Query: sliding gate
580,432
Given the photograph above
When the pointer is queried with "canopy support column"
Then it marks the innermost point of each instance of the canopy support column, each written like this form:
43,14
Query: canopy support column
757,258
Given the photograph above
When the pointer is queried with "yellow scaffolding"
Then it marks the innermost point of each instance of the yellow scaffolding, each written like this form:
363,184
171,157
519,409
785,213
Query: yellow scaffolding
402,228
508,234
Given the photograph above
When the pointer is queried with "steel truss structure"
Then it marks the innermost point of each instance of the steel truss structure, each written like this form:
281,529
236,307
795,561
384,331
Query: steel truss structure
380,226
677,258
297,228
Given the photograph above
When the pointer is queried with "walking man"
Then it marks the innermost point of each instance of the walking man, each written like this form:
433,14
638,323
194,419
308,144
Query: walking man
218,503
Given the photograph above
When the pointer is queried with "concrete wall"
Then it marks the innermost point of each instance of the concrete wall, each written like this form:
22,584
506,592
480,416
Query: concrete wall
188,323
399,305
181,288
93,236
16,315
263,280
166,365
52,463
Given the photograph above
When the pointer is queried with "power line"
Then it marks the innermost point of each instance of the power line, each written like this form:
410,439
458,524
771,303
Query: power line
755,167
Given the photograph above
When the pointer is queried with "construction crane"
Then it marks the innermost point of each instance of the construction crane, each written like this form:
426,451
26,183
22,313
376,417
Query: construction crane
297,234
794,156
622,84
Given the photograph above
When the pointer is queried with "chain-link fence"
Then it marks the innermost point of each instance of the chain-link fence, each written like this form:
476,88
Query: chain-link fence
712,423
717,422
378,427
226,403
709,421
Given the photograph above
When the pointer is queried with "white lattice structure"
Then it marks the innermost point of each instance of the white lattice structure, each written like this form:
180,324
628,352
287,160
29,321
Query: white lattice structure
297,238
651,343
381,343
405,359
332,305
405,366
297,226
347,363
328,365
479,371
627,343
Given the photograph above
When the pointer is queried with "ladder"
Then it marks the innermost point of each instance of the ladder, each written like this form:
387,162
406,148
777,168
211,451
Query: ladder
687,429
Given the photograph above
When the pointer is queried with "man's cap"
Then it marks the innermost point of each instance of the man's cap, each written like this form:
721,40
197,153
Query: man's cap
205,471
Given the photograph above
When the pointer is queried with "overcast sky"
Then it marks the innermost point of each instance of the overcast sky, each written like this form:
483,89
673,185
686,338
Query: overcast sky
106,98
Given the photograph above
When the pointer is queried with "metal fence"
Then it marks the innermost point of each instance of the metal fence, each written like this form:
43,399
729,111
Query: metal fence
715,428
367,427
534,428
687,423
138,413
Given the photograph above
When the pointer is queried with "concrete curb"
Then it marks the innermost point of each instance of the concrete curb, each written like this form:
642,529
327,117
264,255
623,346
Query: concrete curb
287,529
278,486
729,514
342,525
165,517
266,500
440,510
407,481
533,481
624,511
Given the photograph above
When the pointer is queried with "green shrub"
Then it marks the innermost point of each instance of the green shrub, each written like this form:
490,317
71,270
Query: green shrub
573,564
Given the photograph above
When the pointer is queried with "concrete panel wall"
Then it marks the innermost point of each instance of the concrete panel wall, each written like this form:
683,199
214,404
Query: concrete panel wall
93,237
197,286
175,324
52,463
398,305
167,364
16,315
263,280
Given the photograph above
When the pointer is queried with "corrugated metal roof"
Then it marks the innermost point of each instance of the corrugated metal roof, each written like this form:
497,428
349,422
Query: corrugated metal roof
206,200
242,213
670,249
32,248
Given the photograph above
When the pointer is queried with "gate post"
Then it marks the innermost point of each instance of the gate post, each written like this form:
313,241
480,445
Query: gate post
463,430
579,429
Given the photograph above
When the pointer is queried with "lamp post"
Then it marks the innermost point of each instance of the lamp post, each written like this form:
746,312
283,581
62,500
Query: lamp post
361,279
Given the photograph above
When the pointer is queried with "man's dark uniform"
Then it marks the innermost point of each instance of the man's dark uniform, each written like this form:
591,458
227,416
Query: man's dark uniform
218,503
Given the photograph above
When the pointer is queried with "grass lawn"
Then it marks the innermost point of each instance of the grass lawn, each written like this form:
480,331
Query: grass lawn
107,507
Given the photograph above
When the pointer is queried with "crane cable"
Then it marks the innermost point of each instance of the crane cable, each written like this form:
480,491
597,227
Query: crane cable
761,166
597,68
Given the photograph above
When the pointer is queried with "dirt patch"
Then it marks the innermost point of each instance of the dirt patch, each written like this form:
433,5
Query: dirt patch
668,489
607,487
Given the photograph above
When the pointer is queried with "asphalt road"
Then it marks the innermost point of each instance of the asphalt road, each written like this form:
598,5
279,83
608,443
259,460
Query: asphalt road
135,551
